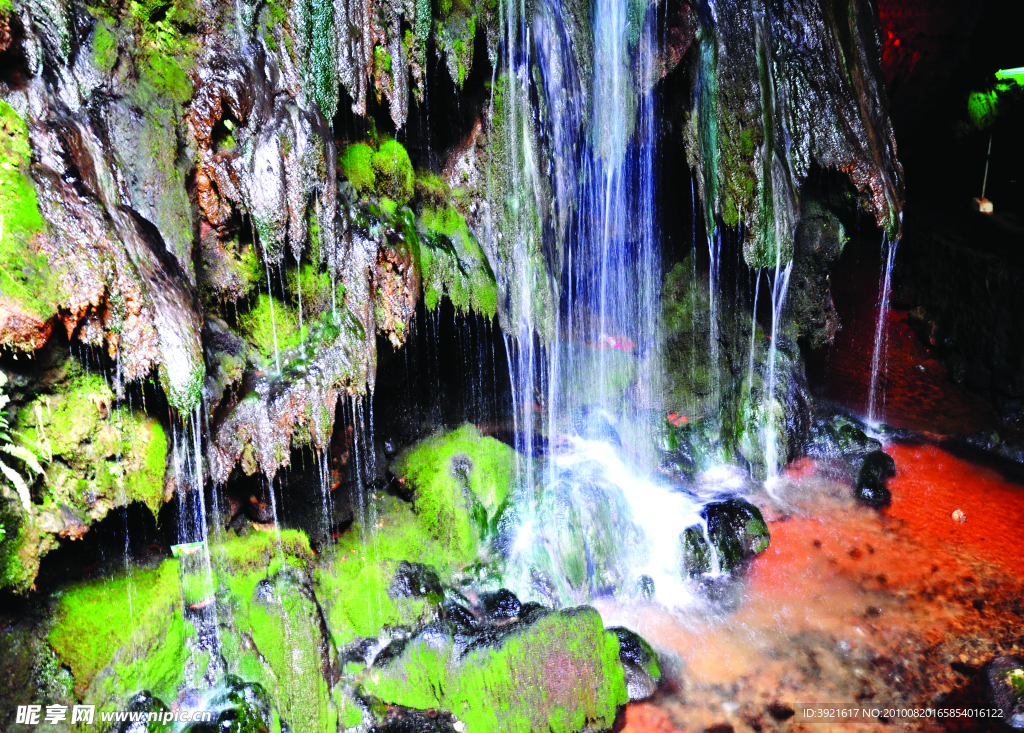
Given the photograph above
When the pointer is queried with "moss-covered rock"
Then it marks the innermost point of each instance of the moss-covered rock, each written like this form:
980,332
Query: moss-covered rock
273,633
272,326
459,270
735,532
101,456
385,172
124,634
28,293
363,593
460,480
557,672
640,663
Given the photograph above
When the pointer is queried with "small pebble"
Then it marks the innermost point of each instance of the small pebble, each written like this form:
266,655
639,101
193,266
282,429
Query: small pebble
959,516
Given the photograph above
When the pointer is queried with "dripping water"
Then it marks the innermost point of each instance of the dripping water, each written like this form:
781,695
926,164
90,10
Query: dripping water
878,356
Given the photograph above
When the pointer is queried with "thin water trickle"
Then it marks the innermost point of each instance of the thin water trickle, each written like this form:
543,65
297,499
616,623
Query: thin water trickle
779,287
878,360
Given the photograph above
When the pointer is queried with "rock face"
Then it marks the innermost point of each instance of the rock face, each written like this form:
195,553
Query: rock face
777,94
734,532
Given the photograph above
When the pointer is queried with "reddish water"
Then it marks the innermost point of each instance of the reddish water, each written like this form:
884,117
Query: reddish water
849,604
915,389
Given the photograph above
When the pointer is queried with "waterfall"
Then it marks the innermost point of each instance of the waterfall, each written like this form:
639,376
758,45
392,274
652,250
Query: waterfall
592,516
879,356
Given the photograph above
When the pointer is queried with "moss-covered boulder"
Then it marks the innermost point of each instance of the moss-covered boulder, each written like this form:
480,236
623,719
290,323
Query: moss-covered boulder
272,633
364,593
734,532
98,456
124,634
554,671
460,480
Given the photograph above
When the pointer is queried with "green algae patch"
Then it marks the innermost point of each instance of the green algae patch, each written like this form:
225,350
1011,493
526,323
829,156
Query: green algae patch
460,481
394,174
452,262
123,634
108,456
560,673
272,326
24,272
357,166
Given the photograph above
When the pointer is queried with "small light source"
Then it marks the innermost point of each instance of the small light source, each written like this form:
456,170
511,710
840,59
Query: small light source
1015,75
982,205
189,548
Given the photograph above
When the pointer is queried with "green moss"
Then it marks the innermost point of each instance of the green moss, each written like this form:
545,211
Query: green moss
354,582
110,657
316,288
15,572
104,47
264,597
147,485
431,188
284,624
460,479
266,315
452,261
559,674
357,166
255,552
24,273
116,454
394,173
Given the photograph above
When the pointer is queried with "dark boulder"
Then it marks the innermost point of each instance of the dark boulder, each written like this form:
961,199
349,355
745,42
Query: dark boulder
839,436
875,471
640,663
501,605
736,532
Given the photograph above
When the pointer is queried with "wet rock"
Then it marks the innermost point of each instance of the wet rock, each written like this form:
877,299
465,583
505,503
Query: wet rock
643,673
501,604
839,436
559,671
1004,689
878,467
735,532
595,423
414,580
818,242
143,702
237,707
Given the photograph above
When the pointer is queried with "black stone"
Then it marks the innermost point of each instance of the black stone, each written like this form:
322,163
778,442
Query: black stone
875,471
501,604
